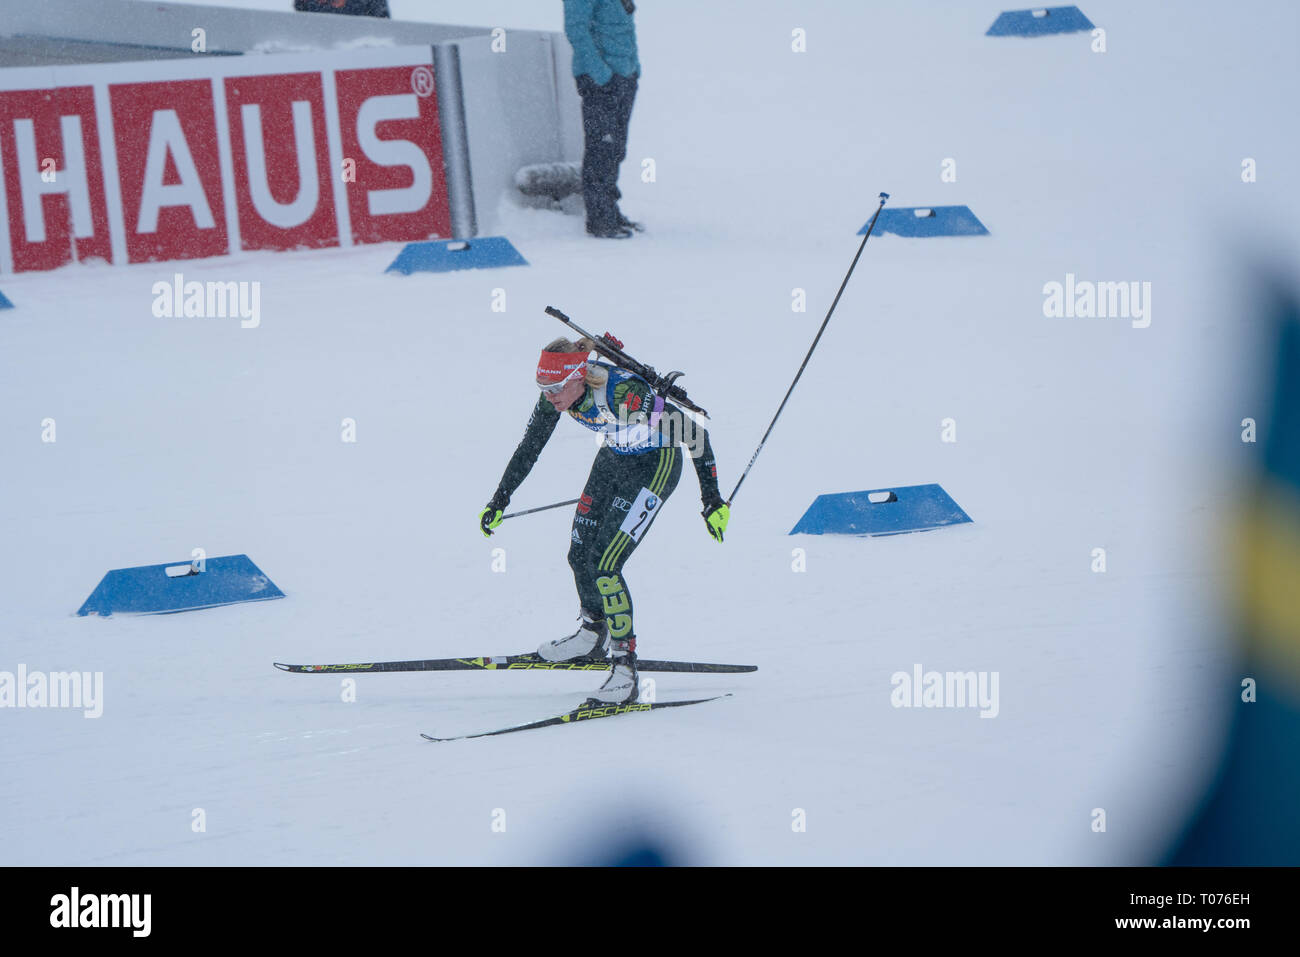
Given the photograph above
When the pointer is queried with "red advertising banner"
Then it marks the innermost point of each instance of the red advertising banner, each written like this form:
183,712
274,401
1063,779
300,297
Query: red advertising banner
165,136
184,159
389,123
52,179
282,172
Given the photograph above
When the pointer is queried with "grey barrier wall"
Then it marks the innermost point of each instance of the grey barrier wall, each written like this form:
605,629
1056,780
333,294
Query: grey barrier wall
515,110
504,101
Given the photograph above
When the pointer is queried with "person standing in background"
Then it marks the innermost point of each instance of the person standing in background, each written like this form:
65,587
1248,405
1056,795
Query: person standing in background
606,69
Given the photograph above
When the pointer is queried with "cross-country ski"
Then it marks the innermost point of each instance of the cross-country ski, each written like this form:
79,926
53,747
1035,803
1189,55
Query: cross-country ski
586,712
524,662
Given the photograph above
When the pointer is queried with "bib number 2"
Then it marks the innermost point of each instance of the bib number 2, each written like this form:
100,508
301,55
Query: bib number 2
641,514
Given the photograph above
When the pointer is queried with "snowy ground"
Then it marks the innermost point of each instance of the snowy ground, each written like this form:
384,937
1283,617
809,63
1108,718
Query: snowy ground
1072,434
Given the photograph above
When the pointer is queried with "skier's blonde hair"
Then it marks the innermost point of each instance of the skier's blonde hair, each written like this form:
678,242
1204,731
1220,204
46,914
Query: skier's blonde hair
596,375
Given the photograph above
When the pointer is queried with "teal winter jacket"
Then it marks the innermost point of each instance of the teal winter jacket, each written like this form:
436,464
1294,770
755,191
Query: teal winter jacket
603,38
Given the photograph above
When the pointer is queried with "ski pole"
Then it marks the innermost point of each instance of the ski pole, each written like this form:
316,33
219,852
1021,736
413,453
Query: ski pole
542,508
829,312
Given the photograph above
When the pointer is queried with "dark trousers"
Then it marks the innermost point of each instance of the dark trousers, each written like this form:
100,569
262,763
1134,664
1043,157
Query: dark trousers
606,111
623,496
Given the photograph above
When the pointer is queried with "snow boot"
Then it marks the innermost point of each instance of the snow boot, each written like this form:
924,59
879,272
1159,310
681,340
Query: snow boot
587,642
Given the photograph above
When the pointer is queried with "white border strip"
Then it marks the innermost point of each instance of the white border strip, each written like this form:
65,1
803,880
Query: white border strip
199,68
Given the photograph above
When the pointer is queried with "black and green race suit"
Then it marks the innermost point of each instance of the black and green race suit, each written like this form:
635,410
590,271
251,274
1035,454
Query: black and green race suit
635,471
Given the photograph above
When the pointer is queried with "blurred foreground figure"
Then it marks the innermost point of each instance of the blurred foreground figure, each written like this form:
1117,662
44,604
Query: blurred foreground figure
1250,815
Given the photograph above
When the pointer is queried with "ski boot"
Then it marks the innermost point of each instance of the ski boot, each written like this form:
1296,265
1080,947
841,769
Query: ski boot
587,642
622,685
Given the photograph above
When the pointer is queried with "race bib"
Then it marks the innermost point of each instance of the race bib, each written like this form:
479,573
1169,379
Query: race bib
640,515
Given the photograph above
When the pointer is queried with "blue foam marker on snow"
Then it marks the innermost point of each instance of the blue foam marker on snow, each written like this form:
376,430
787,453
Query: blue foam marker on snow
158,589
5,303
1039,22
918,222
885,511
445,255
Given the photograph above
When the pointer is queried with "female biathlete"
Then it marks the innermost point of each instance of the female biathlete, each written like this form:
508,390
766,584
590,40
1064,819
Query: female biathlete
636,469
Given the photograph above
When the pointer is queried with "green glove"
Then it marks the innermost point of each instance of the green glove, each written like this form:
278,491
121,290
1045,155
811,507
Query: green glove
716,518
490,517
